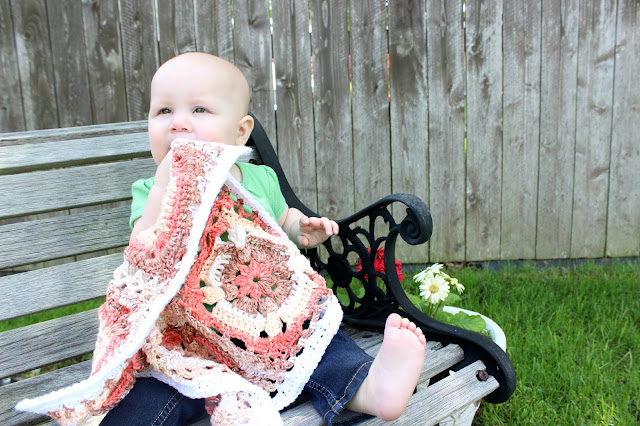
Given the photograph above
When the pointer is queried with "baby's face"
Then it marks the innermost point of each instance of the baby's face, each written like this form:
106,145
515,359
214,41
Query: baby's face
189,102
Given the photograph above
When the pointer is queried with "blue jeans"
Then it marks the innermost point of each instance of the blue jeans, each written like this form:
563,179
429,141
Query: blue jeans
333,383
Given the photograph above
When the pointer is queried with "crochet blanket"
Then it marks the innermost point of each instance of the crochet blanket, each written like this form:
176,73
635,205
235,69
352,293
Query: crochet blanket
213,300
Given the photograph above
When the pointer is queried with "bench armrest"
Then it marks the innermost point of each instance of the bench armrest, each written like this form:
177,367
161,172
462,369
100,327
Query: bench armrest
351,262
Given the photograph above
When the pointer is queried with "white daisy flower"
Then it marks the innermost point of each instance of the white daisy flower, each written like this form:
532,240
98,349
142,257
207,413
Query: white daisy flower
434,289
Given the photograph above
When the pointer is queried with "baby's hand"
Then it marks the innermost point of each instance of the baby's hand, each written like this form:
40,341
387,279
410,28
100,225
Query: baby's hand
315,230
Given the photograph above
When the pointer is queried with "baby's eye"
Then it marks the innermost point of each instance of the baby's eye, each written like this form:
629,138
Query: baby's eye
200,110
165,111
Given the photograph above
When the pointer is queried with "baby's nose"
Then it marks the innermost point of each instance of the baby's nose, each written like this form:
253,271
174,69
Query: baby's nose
180,123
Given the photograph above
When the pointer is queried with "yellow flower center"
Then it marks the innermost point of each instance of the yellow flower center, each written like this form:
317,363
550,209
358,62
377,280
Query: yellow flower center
433,288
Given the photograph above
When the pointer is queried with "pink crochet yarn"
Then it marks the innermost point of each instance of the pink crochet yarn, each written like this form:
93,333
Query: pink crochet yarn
213,300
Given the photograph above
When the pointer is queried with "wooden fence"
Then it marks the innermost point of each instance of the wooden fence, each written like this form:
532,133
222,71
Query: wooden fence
517,122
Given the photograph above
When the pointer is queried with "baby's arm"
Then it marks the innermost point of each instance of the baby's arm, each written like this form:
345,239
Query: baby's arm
152,209
306,232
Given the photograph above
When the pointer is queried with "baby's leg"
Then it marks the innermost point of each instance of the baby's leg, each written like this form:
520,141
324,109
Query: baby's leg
151,401
394,373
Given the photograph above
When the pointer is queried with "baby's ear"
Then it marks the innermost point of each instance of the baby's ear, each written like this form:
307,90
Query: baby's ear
244,130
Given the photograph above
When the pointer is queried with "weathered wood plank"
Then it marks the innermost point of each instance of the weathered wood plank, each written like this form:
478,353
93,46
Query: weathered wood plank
56,286
215,33
594,97
104,61
521,129
69,63
11,114
440,358
36,156
435,403
63,134
48,190
294,118
446,74
557,128
50,341
623,222
32,387
140,53
484,128
176,26
332,108
409,110
63,236
370,105
35,64
253,55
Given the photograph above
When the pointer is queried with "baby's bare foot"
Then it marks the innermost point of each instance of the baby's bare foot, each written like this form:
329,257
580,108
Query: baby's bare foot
394,373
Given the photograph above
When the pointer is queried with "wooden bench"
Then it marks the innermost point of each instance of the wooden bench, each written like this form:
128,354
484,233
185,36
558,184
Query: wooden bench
63,225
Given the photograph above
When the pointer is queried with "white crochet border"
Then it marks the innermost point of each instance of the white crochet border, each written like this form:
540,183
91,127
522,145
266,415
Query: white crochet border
91,388
295,379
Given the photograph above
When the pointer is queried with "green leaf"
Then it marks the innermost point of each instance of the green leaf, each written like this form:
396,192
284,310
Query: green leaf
452,299
463,320
415,299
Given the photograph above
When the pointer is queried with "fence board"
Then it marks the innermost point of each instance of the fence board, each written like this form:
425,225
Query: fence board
35,64
140,53
409,109
176,28
446,75
558,82
370,106
294,118
104,61
594,96
623,226
69,63
554,185
253,55
521,118
11,115
215,34
332,108
484,135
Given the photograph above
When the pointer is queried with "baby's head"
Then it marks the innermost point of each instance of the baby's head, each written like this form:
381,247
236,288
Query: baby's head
198,96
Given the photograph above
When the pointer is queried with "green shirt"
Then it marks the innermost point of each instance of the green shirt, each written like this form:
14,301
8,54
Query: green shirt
259,181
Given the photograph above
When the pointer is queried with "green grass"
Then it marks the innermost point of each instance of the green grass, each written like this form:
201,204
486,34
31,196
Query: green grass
572,335
50,314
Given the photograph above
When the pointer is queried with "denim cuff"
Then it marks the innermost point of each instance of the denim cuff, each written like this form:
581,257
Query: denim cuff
331,407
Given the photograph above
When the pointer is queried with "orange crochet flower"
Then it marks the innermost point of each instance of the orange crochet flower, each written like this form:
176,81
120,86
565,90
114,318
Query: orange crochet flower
253,280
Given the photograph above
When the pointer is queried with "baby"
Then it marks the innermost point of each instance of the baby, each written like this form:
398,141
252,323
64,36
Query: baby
201,97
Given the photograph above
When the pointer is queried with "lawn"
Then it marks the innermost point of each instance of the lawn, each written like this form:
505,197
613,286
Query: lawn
572,335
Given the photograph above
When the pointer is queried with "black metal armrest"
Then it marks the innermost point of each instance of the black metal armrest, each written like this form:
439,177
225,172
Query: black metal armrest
351,267
373,295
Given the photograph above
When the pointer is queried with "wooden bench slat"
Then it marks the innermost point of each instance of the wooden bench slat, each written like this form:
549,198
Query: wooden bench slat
62,134
56,286
47,342
58,189
437,359
41,240
65,153
436,402
28,157
13,393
